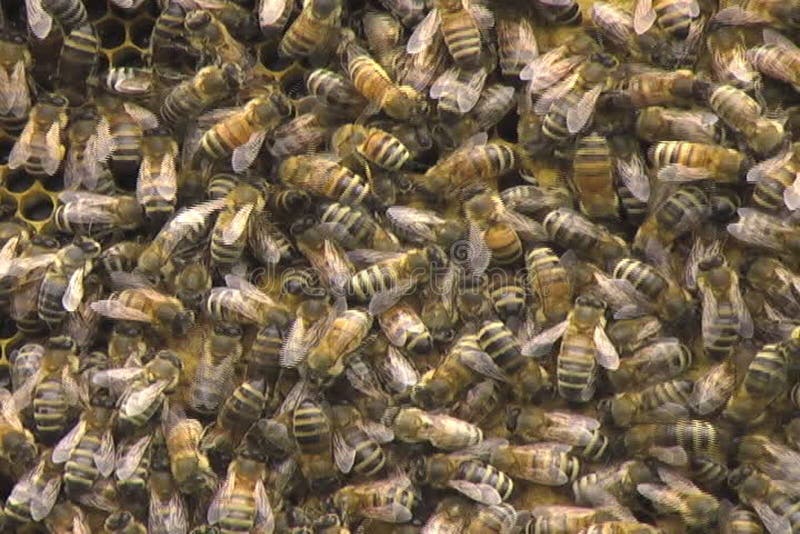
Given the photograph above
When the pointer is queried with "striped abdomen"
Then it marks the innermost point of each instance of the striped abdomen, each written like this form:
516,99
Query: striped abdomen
80,471
502,345
239,510
77,61
245,404
50,406
369,78
69,13
766,374
374,279
49,305
550,282
223,137
222,252
576,371
384,150
673,17
369,456
311,428
480,473
641,275
504,243
462,37
593,178
724,333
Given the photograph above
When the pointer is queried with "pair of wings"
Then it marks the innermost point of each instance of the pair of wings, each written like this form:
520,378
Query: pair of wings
15,98
40,497
605,352
645,15
224,504
28,143
104,457
425,31
85,168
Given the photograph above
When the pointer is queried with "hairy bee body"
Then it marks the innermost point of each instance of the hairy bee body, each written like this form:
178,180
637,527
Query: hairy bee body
636,406
743,114
333,89
699,439
661,360
776,61
39,148
774,183
660,88
439,470
70,261
264,354
51,405
549,464
412,266
470,166
722,164
81,469
572,230
404,327
593,179
444,383
577,365
168,41
15,60
18,505
550,283
358,223
461,35
69,13
221,351
77,62
312,30
508,297
210,85
157,185
396,494
670,299
324,178
312,432
680,212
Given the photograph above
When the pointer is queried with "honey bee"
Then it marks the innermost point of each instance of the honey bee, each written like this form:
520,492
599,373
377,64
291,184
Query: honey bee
242,501
70,14
206,33
572,230
206,88
620,527
556,518
25,362
404,328
450,515
90,214
764,380
123,522
188,464
334,90
312,431
357,442
774,181
585,344
548,464
532,423
401,102
147,305
667,299
424,226
550,284
132,467
392,500
413,425
87,451
656,123
516,45
772,499
67,518
660,360
661,402
356,225
242,131
39,148
617,481
16,99
683,160
157,183
508,296
212,382
230,233
777,58
192,284
478,481
241,302
696,508
470,166
725,315
90,145
304,134
731,62
77,62
763,230
36,492
675,18
592,178
661,88
371,145
773,459
743,114
782,15
325,178
168,45
462,24
313,30
776,282
681,443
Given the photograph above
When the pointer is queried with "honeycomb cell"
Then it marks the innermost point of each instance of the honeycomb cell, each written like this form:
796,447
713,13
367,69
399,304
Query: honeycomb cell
140,31
111,33
36,206
53,184
18,182
96,9
268,56
8,329
147,8
127,56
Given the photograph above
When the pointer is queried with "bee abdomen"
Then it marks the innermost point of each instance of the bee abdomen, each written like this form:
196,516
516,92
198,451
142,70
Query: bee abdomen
311,428
501,344
462,37
576,371
477,472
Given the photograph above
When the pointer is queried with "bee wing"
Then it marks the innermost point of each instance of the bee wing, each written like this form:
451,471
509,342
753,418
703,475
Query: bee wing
710,315
398,371
424,32
104,456
73,296
620,294
248,289
42,502
483,364
675,172
745,327
54,149
39,20
580,115
711,391
63,450
537,67
21,98
644,16
269,11
114,309
467,94
773,522
482,493
167,186
7,253
750,228
365,256
553,94
676,481
146,119
217,510
343,454
380,433
138,401
128,460
295,345
634,175
265,520
791,195
606,353
383,300
173,519
238,225
478,251
392,513
21,150
244,155
675,455
525,226
117,379
540,345
19,267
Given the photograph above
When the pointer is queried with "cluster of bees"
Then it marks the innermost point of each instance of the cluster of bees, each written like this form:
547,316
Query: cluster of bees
440,266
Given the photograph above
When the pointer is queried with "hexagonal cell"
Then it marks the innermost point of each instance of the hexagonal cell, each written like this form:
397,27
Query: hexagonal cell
268,56
127,56
96,9
140,31
36,206
8,329
53,184
293,83
18,181
8,203
111,32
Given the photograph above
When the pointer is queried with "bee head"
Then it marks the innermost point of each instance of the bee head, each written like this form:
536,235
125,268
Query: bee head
182,322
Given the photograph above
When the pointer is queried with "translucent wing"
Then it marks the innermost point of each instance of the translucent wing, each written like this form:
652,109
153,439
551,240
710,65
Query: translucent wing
774,523
238,225
644,16
138,401
745,327
423,33
146,119
104,456
295,346
398,373
675,455
525,226
265,520
712,390
482,493
39,20
675,172
21,150
468,93
244,155
114,309
128,460
343,454
63,450
482,363
710,316
540,345
248,289
391,513
478,251
218,510
554,94
42,502
269,11
634,175
167,186
578,117
73,296
383,300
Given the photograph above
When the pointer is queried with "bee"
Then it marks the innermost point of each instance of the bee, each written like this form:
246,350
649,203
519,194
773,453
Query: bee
243,303
774,181
381,282
16,101
413,425
725,315
592,178
324,178
77,62
36,492
765,379
773,459
401,102
782,15
371,145
516,45
661,402
620,527
656,123
404,328
618,481
548,464
132,468
776,282
480,402
356,223
357,442
188,464
39,148
167,314
313,30
499,518
696,508
731,62
16,443
766,231
740,521
168,45
230,233
61,290
682,443
70,14
478,481
25,362
669,301
123,522
773,500
303,134
334,90
207,34
572,230
532,423
312,430
550,283
392,500
681,211
470,166
209,86
55,390
383,33
241,503
127,122
661,88
273,15
133,81
660,360
87,451
585,344
90,214
66,518
508,295
157,183
242,131
90,146
556,518
777,58
120,256
462,24
212,383
744,115
683,160
450,515
192,284
675,18
126,342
